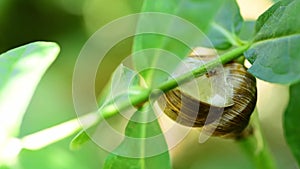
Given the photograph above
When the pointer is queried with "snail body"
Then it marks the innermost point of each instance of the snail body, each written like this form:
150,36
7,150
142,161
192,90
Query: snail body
225,120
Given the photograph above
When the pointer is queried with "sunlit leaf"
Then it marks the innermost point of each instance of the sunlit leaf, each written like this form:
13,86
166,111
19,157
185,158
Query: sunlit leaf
58,156
256,147
135,144
20,70
116,91
274,54
81,138
224,29
291,121
175,35
247,31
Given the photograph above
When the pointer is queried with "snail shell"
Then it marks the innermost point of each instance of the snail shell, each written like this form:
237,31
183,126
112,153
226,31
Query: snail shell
225,121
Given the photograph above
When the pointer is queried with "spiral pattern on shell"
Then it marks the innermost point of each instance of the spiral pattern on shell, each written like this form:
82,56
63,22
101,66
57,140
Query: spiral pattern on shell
229,121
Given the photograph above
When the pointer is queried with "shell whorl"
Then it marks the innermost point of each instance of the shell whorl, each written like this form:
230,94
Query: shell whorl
229,120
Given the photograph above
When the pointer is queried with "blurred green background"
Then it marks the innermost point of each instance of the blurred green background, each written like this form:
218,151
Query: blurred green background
70,23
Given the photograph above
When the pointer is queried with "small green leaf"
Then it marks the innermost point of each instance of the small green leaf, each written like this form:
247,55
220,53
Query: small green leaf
81,138
137,132
21,70
291,121
274,54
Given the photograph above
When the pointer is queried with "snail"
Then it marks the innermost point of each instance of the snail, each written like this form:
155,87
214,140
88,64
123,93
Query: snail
226,119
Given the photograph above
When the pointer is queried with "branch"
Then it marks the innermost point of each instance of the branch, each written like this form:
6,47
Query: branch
53,134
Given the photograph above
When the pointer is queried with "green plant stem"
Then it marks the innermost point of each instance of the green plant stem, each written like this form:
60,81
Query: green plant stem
256,148
53,134
225,58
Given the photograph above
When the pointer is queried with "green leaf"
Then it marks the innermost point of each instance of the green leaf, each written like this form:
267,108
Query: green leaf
58,156
247,31
291,121
274,54
135,144
256,147
172,34
261,21
81,138
226,26
117,90
20,70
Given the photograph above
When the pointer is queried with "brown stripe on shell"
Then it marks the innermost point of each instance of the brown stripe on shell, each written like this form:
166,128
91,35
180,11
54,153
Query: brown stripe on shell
191,112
